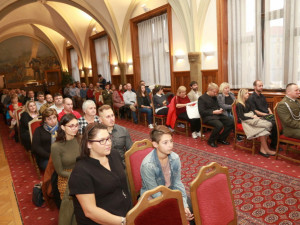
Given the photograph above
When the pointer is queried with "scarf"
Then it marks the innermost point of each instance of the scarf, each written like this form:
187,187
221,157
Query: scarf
51,130
121,95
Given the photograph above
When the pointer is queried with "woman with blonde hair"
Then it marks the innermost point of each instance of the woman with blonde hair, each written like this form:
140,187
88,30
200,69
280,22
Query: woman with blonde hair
225,99
253,125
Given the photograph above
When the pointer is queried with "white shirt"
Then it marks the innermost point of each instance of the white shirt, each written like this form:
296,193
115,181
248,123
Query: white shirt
58,110
129,97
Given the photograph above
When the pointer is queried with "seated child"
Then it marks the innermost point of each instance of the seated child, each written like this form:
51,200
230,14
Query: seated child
162,167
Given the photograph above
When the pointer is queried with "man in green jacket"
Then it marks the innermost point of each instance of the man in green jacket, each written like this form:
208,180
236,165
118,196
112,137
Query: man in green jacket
289,111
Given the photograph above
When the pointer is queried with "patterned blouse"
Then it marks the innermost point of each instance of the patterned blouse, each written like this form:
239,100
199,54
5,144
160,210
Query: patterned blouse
83,123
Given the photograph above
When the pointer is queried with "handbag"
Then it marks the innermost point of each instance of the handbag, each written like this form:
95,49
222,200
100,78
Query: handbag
192,110
37,195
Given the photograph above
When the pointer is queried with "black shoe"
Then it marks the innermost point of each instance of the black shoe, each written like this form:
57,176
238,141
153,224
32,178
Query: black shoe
264,155
136,122
212,144
223,142
239,138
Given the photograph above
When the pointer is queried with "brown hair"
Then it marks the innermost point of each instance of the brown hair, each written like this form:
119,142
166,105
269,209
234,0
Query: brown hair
139,91
48,112
102,108
158,131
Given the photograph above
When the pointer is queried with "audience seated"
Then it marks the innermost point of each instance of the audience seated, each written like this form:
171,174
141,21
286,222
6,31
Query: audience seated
162,166
29,114
212,114
75,95
58,103
98,182
83,92
225,99
121,140
67,91
30,97
107,95
90,94
160,101
49,102
194,94
144,104
40,100
44,136
65,150
253,125
289,112
146,87
118,100
68,108
101,81
12,107
89,109
259,104
22,97
130,102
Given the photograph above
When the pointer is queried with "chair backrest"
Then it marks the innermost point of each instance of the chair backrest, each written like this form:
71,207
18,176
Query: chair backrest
277,120
166,209
211,196
133,160
19,112
32,125
234,114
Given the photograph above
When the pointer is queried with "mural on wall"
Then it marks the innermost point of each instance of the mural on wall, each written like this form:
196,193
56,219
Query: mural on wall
24,59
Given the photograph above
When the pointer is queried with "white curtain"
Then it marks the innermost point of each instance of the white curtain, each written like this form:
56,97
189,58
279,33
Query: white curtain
244,42
74,65
102,57
154,51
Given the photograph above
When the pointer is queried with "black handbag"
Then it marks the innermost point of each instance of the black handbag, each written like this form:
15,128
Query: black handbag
37,195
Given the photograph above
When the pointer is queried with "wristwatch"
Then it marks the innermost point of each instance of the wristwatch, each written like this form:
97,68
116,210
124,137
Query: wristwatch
123,222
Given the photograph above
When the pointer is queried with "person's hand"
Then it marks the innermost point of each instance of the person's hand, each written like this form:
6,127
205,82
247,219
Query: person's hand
218,111
188,214
255,116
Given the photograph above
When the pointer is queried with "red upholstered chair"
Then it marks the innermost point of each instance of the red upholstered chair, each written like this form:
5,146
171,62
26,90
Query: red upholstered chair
238,130
167,209
133,160
32,125
211,196
284,139
156,118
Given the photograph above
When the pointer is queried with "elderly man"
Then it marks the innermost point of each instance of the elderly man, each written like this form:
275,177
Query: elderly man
121,140
212,114
68,108
289,111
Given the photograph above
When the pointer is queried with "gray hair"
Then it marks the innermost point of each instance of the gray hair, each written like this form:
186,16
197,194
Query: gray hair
87,103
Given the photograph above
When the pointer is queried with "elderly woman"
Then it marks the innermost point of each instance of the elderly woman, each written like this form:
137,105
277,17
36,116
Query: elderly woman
181,102
225,99
65,150
98,181
44,136
89,109
29,114
118,100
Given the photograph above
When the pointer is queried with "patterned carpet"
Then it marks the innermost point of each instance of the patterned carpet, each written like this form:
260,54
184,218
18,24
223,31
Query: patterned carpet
266,191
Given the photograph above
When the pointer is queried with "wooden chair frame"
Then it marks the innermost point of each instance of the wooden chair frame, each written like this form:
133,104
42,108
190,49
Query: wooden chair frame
281,140
205,173
203,125
137,146
161,118
186,128
146,202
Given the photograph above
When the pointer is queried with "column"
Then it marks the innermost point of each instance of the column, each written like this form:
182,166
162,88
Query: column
122,67
195,68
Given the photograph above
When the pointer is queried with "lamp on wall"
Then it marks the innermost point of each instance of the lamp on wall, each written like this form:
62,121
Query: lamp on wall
179,57
115,65
129,63
208,53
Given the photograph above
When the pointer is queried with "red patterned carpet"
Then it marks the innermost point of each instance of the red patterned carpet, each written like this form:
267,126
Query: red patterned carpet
266,191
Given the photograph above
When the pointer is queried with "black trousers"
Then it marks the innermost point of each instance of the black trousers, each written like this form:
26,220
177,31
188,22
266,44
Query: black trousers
195,123
273,135
223,122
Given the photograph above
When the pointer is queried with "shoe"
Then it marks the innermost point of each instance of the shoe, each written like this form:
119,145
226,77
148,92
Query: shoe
136,122
194,135
172,130
150,126
263,154
223,142
182,125
239,138
212,144
179,125
199,134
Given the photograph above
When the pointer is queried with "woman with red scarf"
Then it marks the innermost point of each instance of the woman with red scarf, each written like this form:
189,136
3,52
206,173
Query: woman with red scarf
118,101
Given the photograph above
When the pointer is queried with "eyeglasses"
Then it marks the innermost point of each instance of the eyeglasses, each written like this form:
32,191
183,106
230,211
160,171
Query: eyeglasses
103,141
73,126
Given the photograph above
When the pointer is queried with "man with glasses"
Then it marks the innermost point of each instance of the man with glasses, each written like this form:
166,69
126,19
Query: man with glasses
121,140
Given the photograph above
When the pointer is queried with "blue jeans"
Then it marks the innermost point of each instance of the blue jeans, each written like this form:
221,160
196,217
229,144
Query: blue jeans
149,114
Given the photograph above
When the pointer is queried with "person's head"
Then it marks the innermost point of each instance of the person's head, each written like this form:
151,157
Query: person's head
142,83
125,87
49,117
68,128
224,88
113,87
49,98
243,95
120,87
162,139
128,86
292,91
99,75
194,85
91,86
58,99
142,91
97,85
181,91
107,86
14,99
95,141
23,92
74,85
258,86
30,94
30,107
83,85
68,85
106,115
158,89
40,96
18,91
68,105
89,108
212,89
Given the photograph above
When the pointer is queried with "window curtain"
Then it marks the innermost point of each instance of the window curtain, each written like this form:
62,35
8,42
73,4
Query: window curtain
244,43
102,57
74,65
154,51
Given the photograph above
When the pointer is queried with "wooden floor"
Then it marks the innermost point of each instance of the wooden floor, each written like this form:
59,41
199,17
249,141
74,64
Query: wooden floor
9,211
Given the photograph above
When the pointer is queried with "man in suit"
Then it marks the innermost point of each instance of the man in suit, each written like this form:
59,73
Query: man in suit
289,111
212,114
194,94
